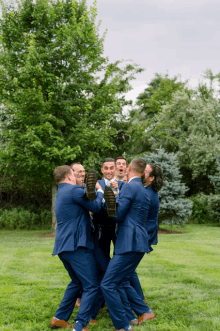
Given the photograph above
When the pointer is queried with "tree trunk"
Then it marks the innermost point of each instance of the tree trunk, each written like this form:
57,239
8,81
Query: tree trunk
54,220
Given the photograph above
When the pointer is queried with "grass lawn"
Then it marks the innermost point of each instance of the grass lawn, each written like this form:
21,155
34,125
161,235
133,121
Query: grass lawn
180,279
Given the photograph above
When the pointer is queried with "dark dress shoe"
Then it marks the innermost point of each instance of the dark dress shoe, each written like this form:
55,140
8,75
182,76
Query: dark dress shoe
110,202
91,180
59,324
145,317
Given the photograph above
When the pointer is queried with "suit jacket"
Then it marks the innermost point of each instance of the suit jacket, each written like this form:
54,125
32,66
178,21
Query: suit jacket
73,220
152,219
102,218
120,185
132,214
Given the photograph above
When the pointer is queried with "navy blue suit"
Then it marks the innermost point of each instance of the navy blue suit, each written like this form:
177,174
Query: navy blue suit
130,246
152,230
104,224
105,232
152,219
74,245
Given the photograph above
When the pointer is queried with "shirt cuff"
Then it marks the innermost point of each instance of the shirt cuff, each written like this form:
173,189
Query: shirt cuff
100,190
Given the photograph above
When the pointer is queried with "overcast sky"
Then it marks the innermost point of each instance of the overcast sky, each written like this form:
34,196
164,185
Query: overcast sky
174,36
178,36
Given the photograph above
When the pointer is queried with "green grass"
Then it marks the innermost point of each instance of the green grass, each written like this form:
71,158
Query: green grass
180,279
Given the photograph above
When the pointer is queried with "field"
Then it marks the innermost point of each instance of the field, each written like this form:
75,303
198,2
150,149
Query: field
180,279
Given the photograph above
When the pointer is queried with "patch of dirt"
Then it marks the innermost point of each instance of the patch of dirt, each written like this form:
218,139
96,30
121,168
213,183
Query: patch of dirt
165,231
50,235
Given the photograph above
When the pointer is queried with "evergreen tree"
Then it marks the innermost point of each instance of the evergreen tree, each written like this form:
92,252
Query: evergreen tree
174,208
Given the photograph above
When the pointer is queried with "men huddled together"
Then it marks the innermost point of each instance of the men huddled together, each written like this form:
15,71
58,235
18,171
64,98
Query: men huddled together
121,208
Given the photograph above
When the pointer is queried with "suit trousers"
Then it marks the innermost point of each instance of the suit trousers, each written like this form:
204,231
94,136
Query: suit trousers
116,279
102,263
108,235
135,283
82,269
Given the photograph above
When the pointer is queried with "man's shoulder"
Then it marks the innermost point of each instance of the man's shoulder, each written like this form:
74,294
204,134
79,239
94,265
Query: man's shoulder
151,191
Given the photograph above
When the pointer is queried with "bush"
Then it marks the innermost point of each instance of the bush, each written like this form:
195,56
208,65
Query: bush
19,218
206,208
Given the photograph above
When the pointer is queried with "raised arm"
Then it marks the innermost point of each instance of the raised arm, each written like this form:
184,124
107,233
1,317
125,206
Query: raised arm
124,203
93,206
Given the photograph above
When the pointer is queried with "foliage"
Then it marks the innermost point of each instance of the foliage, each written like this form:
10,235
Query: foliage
174,208
190,128
19,218
60,97
215,179
214,201
149,104
201,211
158,93
206,208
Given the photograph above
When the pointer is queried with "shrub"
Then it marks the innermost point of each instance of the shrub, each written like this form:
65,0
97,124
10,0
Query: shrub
206,208
19,218
201,212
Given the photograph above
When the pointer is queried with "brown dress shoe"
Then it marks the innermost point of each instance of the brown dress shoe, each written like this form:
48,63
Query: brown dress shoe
77,304
93,321
145,317
59,324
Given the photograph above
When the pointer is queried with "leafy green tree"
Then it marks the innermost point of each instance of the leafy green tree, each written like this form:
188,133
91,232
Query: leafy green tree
174,207
190,128
158,93
59,96
149,104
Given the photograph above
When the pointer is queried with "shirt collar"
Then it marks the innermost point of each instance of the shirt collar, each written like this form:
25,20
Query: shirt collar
133,178
109,181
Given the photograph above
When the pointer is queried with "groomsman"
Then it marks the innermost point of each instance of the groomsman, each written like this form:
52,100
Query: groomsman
74,246
79,172
104,224
130,247
121,167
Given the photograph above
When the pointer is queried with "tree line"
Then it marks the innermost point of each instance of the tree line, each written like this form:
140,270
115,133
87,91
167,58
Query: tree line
62,101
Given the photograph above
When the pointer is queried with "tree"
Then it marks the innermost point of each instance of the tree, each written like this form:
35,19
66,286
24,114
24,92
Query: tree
59,95
190,128
149,104
174,208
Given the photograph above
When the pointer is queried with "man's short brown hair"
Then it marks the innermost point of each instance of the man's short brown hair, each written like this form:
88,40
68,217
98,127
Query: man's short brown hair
61,172
121,158
138,165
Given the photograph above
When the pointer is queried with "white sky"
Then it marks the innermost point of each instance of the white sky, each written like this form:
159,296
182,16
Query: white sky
180,37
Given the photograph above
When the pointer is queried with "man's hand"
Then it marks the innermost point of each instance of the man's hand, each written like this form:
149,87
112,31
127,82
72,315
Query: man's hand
98,186
114,185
